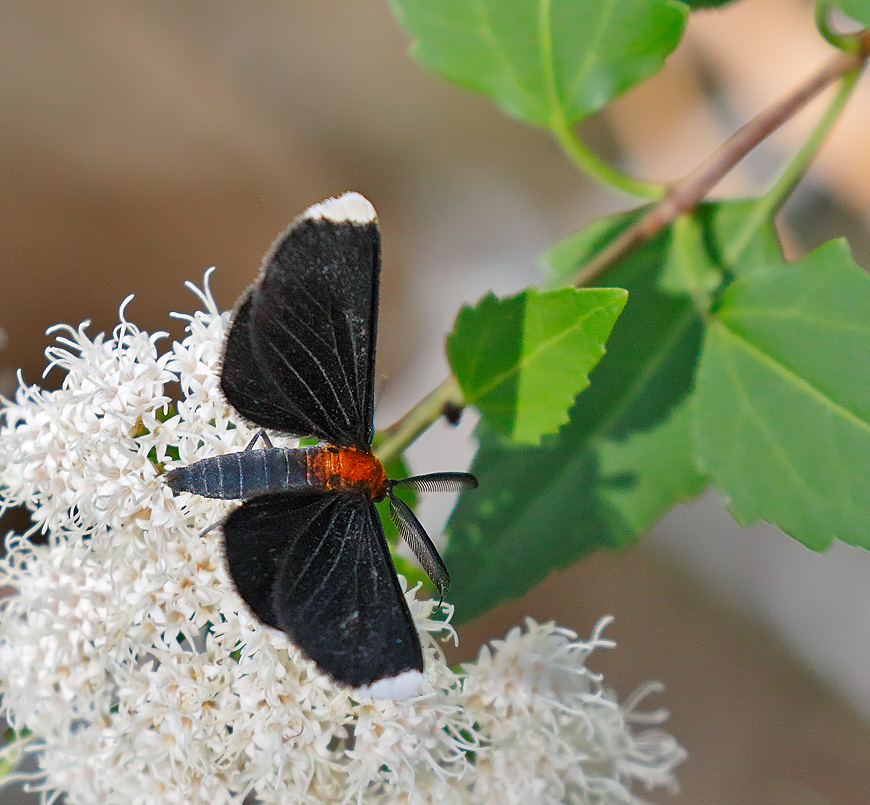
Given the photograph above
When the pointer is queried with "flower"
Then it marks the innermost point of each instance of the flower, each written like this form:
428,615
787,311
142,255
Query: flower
130,669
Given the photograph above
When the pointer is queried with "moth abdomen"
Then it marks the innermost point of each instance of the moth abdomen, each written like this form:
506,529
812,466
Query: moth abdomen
243,475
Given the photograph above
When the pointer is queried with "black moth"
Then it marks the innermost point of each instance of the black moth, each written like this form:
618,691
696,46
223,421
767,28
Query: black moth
306,550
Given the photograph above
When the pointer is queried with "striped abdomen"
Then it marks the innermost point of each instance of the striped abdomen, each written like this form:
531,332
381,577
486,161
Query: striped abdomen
251,473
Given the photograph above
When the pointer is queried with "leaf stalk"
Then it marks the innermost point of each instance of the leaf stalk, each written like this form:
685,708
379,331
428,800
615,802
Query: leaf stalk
578,152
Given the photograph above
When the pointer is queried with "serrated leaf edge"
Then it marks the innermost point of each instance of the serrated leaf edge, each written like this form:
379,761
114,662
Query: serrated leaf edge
520,365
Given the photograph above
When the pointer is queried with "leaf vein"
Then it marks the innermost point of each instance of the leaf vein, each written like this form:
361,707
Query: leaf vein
773,441
532,356
789,374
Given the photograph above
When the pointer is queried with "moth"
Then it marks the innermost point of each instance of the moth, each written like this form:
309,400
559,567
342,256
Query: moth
306,550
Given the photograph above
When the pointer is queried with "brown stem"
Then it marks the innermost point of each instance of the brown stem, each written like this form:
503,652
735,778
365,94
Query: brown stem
685,194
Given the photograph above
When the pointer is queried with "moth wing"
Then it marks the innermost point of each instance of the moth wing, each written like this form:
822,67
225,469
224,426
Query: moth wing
318,567
251,390
309,332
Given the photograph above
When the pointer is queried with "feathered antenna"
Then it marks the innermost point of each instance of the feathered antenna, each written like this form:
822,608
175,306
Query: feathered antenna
410,527
438,482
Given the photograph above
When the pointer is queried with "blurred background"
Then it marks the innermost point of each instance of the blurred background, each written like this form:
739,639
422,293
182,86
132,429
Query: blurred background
142,142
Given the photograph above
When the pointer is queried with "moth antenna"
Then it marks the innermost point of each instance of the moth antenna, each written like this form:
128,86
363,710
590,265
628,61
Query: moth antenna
437,482
418,540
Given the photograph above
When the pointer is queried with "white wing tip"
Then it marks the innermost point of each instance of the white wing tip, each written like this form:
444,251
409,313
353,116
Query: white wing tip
401,686
351,206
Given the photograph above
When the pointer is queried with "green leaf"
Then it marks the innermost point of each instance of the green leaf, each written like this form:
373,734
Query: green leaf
783,410
627,454
564,260
644,494
857,9
720,223
543,60
688,266
619,464
522,360
725,222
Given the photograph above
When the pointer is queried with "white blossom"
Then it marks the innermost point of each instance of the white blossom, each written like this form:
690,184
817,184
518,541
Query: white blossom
129,667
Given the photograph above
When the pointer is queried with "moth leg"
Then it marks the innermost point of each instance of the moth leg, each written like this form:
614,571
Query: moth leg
210,528
260,434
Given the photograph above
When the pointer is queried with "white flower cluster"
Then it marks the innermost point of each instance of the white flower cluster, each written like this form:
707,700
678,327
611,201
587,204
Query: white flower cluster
129,669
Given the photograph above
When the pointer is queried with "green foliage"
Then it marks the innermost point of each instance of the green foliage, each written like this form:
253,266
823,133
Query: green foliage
626,455
521,361
544,61
783,414
738,241
727,364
